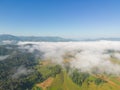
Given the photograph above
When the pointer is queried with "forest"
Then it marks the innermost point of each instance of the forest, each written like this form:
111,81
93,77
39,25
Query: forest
21,69
18,71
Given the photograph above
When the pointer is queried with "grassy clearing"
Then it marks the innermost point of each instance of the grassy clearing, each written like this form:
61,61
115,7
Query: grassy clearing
115,60
68,83
57,83
63,82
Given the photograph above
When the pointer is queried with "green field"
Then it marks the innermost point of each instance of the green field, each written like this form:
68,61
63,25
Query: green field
62,81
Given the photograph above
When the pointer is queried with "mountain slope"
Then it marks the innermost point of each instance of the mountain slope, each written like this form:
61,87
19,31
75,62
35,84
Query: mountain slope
32,38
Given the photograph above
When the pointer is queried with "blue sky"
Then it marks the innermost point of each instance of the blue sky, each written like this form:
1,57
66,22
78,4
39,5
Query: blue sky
65,18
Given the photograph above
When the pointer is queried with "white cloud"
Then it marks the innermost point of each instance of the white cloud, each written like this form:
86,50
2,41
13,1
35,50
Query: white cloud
21,71
85,55
117,55
7,41
3,57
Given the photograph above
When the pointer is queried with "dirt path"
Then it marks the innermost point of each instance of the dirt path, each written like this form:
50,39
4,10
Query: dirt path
46,83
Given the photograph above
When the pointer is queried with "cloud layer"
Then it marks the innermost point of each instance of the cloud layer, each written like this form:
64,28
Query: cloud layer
3,57
93,56
22,70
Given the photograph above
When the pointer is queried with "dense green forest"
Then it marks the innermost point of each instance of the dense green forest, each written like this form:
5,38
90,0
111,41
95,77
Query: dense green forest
23,70
18,71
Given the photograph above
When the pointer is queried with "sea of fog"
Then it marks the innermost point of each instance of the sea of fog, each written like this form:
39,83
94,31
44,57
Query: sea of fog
86,56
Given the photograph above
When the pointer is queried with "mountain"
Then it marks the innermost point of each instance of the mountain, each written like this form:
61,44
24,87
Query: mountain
21,70
24,68
7,37
47,38
97,39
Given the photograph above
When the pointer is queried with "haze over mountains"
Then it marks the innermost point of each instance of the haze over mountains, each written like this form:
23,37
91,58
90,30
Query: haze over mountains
29,63
11,39
31,38
8,39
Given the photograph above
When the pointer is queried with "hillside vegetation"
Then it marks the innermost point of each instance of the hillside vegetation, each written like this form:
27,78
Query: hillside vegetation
21,70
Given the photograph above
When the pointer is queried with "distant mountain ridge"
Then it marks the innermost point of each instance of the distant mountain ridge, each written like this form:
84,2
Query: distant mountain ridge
98,39
4,37
7,37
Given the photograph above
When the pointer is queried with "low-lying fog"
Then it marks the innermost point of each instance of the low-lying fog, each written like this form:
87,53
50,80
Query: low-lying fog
92,56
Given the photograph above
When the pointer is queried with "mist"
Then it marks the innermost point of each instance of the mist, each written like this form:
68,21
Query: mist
22,70
3,57
92,56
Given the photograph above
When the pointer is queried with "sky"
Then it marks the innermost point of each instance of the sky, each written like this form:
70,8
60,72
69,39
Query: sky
64,18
